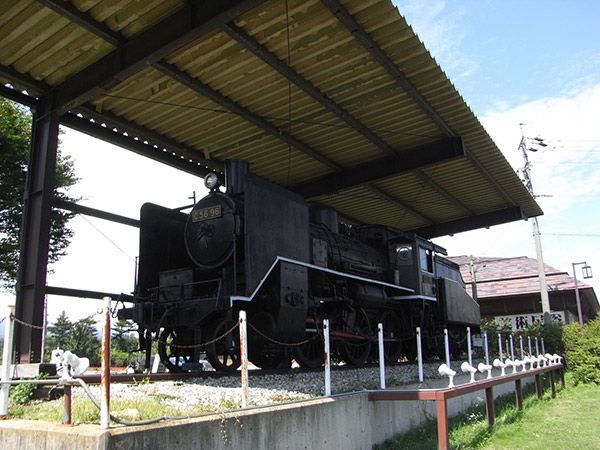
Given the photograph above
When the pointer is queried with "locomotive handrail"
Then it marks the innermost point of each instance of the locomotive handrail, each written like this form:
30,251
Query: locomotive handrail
312,266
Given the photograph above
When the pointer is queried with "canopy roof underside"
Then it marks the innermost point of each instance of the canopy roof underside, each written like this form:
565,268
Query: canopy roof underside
336,99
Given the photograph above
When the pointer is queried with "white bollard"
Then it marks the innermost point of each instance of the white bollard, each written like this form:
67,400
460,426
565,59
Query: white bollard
6,358
244,357
447,346
529,344
444,370
381,356
327,358
543,347
420,354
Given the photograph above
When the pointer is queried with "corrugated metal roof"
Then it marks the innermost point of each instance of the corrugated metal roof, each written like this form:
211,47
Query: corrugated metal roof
303,90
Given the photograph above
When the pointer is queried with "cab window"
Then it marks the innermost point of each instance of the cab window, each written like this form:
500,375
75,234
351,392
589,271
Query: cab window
426,259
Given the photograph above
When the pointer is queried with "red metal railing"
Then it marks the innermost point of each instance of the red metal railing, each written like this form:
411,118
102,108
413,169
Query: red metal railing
441,396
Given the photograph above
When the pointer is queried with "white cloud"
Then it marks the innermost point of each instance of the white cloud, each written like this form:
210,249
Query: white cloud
569,169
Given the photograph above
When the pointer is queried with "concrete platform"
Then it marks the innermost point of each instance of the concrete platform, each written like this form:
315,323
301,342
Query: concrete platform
348,421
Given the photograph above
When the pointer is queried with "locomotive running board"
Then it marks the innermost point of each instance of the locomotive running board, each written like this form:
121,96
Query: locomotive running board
234,298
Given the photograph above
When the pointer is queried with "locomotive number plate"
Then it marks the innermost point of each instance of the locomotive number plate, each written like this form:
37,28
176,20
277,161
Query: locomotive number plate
206,213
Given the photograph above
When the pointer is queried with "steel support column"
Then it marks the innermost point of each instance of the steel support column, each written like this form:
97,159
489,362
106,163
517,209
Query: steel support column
35,233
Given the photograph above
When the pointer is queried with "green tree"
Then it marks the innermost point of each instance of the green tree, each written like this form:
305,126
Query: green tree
85,341
123,343
80,338
15,127
59,334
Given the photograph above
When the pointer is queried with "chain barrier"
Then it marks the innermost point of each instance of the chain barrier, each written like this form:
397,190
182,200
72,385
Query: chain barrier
212,341
3,319
285,344
14,319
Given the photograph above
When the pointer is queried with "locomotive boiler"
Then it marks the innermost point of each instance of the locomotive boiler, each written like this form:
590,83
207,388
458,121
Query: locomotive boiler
261,248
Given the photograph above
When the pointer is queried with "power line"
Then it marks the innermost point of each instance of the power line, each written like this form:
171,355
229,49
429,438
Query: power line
572,234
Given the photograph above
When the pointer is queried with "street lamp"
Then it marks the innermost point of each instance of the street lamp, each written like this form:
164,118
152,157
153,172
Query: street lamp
587,273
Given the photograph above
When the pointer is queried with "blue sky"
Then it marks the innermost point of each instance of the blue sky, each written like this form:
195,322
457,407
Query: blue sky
536,62
500,54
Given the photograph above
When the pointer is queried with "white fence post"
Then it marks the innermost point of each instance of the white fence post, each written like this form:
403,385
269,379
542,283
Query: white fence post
6,358
420,354
381,356
244,357
447,345
500,347
327,358
469,346
487,351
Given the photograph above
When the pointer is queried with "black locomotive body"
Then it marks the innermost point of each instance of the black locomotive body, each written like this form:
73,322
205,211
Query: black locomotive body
261,248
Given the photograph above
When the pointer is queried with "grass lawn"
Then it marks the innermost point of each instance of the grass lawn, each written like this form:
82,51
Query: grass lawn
569,421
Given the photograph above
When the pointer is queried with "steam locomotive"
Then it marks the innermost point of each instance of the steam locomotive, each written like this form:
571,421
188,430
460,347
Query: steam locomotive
261,248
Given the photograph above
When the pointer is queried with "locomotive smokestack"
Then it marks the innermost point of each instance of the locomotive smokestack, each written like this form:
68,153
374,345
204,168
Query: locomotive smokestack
235,176
325,215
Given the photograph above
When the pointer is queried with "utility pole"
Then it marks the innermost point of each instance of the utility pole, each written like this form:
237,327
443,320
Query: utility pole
536,229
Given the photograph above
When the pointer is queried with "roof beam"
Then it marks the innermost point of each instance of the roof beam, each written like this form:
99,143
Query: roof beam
137,146
408,160
18,97
402,80
471,223
182,27
134,130
84,20
220,99
288,72
22,80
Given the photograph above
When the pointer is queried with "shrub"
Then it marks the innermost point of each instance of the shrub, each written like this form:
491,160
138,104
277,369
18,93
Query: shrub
582,348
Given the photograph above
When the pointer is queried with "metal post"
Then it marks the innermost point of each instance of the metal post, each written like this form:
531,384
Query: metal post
489,405
543,347
442,423
577,298
500,347
522,352
6,359
381,356
420,354
67,405
447,345
487,352
469,346
105,378
512,348
35,232
327,358
244,356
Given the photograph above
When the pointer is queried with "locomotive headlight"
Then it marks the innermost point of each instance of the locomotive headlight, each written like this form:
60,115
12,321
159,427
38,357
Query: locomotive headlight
211,181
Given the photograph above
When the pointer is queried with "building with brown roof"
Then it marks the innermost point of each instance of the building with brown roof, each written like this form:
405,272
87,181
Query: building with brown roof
509,288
